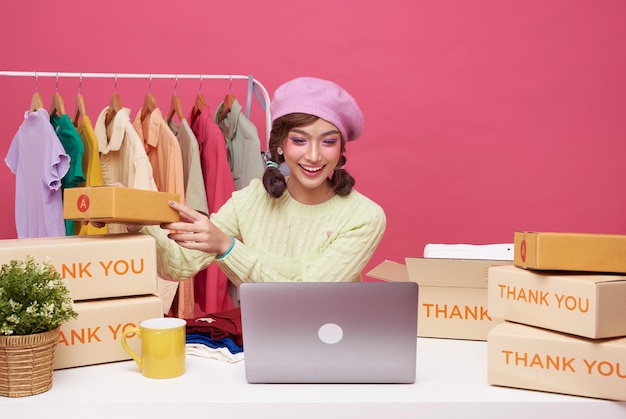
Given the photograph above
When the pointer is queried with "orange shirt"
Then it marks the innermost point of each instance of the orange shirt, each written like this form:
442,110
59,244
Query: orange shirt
163,152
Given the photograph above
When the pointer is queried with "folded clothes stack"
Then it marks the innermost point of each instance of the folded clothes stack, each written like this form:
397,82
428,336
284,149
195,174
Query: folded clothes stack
216,335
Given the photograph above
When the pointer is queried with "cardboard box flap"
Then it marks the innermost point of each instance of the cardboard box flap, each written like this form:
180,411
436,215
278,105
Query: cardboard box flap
462,273
390,271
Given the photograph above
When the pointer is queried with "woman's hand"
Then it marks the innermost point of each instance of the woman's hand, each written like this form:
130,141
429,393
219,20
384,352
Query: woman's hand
196,231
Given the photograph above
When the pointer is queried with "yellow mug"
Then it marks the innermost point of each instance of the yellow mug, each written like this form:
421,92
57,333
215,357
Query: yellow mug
162,347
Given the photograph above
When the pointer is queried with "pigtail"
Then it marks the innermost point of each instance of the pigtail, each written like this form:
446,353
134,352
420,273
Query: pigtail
342,182
273,180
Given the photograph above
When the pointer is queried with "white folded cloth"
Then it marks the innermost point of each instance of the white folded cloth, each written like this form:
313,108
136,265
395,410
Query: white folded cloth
500,251
204,351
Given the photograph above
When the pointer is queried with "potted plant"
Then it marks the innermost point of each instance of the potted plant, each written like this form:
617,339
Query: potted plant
34,303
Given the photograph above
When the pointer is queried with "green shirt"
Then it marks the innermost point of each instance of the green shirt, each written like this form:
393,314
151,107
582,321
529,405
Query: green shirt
74,147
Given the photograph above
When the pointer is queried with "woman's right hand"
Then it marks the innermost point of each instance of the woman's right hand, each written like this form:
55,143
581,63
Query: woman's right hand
196,231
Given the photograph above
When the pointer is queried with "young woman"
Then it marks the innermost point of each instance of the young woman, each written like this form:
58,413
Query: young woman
308,226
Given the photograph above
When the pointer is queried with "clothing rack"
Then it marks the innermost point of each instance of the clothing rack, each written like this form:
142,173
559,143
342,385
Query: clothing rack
253,84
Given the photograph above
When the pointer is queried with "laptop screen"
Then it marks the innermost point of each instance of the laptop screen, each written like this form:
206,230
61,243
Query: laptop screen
356,332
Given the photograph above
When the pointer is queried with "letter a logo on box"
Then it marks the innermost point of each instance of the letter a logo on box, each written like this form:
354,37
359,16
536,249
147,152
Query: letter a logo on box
82,203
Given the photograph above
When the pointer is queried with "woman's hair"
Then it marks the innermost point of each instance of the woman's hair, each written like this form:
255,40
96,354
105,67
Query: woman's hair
274,181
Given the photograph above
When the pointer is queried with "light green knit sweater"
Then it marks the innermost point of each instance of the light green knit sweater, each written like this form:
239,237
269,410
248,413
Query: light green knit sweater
281,239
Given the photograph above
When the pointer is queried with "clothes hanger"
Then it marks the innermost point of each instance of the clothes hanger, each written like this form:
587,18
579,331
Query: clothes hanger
115,105
228,103
149,103
199,104
57,105
80,108
36,102
57,102
176,108
80,103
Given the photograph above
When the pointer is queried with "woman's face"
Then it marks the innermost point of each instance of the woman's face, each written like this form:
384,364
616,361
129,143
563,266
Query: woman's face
311,152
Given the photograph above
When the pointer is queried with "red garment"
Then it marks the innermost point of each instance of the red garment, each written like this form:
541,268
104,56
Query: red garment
220,325
211,284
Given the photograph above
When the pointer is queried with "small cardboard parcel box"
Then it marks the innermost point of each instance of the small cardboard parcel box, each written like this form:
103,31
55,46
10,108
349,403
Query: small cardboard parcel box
97,266
529,357
95,336
453,294
570,251
115,204
583,304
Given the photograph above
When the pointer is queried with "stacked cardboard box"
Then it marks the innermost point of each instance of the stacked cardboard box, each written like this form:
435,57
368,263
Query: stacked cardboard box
113,282
563,302
452,294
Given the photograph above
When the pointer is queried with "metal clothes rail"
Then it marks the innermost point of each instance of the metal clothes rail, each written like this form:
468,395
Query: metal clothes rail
253,83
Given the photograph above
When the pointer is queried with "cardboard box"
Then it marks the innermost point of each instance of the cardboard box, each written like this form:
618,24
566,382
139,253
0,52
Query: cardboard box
453,295
529,357
589,305
114,204
95,336
570,251
98,266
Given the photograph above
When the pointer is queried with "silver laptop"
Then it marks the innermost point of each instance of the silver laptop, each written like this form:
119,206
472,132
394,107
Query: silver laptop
357,332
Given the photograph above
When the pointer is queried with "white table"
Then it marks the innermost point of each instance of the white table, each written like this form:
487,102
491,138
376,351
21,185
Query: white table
451,382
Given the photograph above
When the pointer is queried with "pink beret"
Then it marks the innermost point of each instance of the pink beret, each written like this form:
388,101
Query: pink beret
321,98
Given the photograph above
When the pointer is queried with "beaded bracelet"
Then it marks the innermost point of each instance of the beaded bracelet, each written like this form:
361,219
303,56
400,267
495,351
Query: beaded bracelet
232,244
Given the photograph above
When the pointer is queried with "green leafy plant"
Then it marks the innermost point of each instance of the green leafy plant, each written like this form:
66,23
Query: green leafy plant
33,298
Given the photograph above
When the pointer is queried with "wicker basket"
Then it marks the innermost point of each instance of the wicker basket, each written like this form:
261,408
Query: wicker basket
26,363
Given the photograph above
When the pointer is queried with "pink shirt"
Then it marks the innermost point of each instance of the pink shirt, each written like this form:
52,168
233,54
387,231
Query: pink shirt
218,178
211,284
39,162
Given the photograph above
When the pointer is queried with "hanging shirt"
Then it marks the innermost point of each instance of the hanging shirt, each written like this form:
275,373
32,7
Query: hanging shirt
39,162
122,155
195,192
211,284
244,146
165,157
123,158
73,145
92,170
163,152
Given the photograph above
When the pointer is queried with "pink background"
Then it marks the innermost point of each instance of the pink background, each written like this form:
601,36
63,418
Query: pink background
483,117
